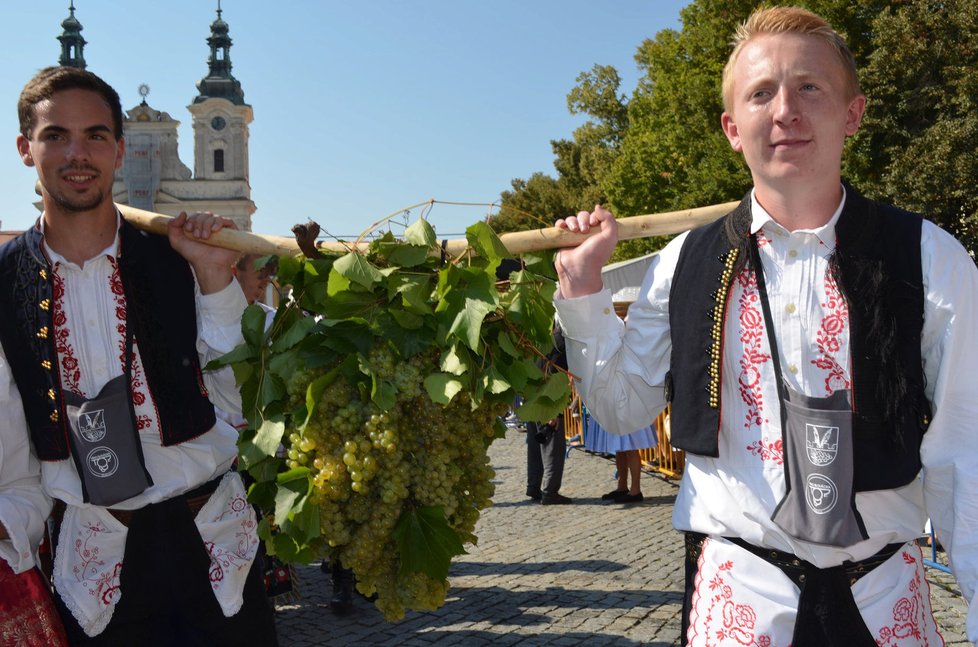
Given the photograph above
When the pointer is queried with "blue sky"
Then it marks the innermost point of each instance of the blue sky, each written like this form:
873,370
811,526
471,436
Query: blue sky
361,108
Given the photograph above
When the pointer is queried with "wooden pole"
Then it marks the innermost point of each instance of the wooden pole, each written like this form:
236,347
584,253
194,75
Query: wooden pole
657,224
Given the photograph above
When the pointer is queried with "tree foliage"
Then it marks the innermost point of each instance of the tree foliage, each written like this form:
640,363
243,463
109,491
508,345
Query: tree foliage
662,149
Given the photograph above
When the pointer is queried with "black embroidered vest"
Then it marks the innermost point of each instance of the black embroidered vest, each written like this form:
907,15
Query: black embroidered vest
159,289
877,267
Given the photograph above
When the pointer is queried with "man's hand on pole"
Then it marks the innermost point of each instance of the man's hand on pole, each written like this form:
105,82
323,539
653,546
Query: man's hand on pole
579,268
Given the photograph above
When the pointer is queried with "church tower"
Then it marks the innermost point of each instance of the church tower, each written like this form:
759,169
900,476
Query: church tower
154,178
72,43
220,115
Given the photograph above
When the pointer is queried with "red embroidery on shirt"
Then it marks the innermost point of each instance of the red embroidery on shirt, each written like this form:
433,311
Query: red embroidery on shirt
70,373
768,450
829,337
102,583
749,381
139,388
726,619
910,613
752,336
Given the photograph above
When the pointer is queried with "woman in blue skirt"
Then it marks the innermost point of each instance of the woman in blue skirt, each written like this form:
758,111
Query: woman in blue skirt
627,460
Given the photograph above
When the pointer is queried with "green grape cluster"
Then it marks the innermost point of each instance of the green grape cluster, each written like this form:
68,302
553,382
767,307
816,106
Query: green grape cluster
369,466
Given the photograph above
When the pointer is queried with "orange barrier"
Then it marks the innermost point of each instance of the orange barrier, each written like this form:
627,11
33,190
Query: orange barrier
664,458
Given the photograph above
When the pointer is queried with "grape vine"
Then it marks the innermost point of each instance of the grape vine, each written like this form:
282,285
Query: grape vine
373,397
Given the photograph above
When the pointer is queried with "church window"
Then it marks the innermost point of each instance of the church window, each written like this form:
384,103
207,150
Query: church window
219,160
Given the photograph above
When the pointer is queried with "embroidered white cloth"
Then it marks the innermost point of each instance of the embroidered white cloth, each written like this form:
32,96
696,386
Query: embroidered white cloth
740,599
621,371
89,328
92,543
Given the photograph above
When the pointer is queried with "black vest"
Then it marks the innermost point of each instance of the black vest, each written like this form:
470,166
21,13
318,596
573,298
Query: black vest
160,306
877,267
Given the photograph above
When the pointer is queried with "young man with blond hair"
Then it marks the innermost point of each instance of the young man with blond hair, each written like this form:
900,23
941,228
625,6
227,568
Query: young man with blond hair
818,352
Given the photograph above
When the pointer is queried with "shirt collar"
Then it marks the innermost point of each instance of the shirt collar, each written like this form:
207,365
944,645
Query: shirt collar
825,234
109,251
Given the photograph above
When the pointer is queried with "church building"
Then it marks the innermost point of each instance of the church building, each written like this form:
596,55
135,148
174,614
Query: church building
152,176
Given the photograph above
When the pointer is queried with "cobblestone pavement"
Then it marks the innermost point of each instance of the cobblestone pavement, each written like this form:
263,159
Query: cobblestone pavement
591,573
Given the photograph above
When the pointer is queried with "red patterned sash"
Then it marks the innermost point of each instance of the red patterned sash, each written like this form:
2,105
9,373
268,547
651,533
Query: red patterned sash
27,613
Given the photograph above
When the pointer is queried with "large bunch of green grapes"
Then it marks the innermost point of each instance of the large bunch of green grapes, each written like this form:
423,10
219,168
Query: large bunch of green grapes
369,466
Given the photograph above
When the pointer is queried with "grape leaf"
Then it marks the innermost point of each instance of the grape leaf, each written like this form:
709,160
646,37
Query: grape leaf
269,436
421,233
294,334
455,360
253,327
426,543
293,487
486,243
358,269
408,255
442,387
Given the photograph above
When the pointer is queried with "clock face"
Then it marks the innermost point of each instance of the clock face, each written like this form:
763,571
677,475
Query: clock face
218,123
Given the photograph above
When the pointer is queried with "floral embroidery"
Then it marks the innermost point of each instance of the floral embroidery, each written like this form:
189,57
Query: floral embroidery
239,556
910,613
100,582
829,337
70,373
749,381
140,398
737,620
768,450
752,336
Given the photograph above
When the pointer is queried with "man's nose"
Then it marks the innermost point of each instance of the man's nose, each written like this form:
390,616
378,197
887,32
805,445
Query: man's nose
77,149
786,108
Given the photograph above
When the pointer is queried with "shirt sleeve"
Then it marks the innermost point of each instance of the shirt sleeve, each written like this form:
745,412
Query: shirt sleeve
23,505
620,368
218,333
949,451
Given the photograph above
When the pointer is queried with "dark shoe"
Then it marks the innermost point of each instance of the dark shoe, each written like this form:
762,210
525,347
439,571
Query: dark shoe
555,499
629,498
534,494
342,601
614,494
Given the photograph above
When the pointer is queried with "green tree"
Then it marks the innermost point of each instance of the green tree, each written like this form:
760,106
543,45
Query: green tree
581,163
663,149
917,145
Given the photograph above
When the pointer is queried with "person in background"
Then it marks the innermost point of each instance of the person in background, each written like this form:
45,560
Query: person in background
108,330
818,349
546,444
254,281
628,462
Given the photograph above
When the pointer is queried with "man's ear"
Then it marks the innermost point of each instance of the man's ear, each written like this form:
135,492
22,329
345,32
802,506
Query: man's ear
24,149
731,131
854,115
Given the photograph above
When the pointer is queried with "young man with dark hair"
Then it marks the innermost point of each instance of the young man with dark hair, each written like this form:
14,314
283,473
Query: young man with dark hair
105,333
818,350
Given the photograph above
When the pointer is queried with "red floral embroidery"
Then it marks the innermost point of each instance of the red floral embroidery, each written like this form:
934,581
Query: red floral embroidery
768,450
829,337
70,373
910,613
738,621
100,583
752,336
140,397
749,380
238,557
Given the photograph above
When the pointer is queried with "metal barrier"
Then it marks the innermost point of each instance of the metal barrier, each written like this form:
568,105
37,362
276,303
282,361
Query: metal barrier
664,458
